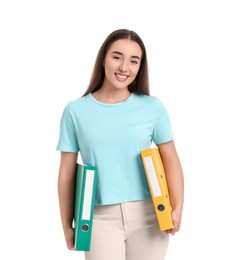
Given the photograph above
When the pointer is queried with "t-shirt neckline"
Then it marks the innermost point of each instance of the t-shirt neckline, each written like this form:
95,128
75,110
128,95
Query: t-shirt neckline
109,104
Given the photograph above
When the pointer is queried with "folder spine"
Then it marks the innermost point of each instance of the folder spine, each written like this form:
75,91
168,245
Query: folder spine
158,187
85,188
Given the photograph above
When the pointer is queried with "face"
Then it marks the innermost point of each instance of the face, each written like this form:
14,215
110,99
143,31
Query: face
122,63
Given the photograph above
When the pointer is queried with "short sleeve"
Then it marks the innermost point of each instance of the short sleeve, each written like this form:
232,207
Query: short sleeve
162,131
68,138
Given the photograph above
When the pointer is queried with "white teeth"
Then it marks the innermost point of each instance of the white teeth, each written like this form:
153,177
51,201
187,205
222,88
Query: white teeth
121,76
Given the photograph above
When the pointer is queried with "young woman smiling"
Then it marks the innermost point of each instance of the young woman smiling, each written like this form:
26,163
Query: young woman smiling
109,125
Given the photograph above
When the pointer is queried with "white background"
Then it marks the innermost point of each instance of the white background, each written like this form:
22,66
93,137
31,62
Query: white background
47,52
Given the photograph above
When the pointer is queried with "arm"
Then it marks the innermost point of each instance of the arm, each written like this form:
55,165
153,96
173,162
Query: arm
66,189
174,175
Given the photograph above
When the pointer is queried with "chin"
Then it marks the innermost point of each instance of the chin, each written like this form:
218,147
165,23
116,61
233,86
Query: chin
121,87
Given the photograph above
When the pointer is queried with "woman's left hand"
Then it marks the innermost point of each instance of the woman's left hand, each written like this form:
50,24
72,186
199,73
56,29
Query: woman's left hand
176,217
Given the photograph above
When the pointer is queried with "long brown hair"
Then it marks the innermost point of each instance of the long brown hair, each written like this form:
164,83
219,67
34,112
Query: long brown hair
141,84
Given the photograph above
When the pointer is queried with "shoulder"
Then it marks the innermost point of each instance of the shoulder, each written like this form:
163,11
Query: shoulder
149,100
77,103
152,104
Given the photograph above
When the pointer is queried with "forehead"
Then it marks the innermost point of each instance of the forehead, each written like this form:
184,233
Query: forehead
126,47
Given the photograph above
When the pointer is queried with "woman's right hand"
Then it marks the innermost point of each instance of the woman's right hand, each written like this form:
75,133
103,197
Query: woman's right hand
69,237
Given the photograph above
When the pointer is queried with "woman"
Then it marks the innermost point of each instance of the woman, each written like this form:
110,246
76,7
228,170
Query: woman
109,125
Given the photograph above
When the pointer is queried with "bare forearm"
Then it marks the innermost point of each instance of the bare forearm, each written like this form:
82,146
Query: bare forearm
174,174
66,188
66,199
175,180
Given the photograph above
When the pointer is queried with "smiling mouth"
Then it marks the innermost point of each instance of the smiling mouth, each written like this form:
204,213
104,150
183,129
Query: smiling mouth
121,77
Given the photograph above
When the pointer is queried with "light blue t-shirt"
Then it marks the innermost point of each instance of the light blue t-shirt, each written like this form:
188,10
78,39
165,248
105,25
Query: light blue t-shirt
111,136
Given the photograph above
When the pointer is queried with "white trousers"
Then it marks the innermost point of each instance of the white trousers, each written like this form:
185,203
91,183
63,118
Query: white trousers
127,231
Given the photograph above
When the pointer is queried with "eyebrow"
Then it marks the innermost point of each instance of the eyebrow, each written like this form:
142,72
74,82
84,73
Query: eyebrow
120,53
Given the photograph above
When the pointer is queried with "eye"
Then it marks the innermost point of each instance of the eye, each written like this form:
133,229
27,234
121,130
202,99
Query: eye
116,57
134,62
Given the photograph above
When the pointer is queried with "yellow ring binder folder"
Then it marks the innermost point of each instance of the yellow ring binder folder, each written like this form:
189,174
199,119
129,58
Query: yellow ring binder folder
157,182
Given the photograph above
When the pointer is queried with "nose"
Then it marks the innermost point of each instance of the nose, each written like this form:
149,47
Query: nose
123,67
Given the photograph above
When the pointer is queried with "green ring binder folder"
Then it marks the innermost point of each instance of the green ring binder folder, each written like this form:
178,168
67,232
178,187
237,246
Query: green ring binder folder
85,188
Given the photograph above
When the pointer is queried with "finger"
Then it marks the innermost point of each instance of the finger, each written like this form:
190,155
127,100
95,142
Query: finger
167,231
176,228
70,245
